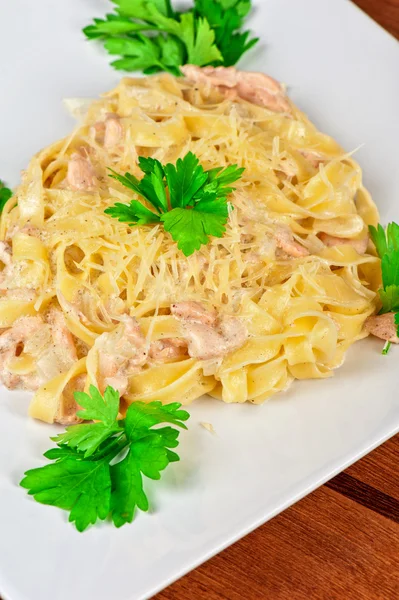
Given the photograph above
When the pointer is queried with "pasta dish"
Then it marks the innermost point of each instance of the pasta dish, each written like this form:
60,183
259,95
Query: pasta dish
87,299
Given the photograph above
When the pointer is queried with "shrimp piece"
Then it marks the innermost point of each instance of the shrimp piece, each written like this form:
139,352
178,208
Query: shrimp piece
168,349
54,348
109,132
206,342
383,327
360,245
113,131
220,76
122,353
256,88
11,345
61,335
285,241
97,132
209,338
81,175
193,312
233,332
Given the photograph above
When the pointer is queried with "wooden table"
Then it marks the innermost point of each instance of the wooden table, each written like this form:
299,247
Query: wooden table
339,543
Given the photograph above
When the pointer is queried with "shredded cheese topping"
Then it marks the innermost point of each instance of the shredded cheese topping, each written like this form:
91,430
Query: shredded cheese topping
300,298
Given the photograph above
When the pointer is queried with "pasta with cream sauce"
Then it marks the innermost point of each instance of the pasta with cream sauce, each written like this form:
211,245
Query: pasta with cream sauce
281,296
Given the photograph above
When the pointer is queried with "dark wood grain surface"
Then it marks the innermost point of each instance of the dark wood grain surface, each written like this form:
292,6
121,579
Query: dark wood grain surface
340,543
385,12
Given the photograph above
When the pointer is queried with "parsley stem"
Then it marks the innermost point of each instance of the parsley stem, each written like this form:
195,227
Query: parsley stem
386,348
115,446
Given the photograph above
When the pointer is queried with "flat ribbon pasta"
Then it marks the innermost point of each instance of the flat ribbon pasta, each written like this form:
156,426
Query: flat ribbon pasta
294,276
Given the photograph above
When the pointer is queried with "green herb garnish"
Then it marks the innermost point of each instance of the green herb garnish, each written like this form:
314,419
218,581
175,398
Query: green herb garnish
226,17
387,246
386,348
197,207
207,34
98,467
5,195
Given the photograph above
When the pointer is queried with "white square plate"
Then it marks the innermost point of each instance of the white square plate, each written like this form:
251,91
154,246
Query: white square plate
341,68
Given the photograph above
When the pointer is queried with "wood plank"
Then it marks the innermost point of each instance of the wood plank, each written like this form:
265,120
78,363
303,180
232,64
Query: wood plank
366,495
326,546
385,12
379,467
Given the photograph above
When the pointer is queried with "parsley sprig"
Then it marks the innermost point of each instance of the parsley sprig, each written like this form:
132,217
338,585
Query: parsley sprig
207,34
387,246
98,468
5,195
190,202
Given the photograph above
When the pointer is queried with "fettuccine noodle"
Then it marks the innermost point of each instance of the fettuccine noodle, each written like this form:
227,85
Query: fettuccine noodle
282,296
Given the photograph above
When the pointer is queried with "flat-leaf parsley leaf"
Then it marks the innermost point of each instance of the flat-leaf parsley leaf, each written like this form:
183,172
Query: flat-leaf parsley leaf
197,207
387,246
98,467
226,17
208,33
5,195
185,179
192,228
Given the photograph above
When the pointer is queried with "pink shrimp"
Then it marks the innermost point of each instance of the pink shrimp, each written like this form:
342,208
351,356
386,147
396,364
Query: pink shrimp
286,242
109,132
168,349
81,175
113,131
383,327
256,88
209,338
62,337
122,353
360,245
194,312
